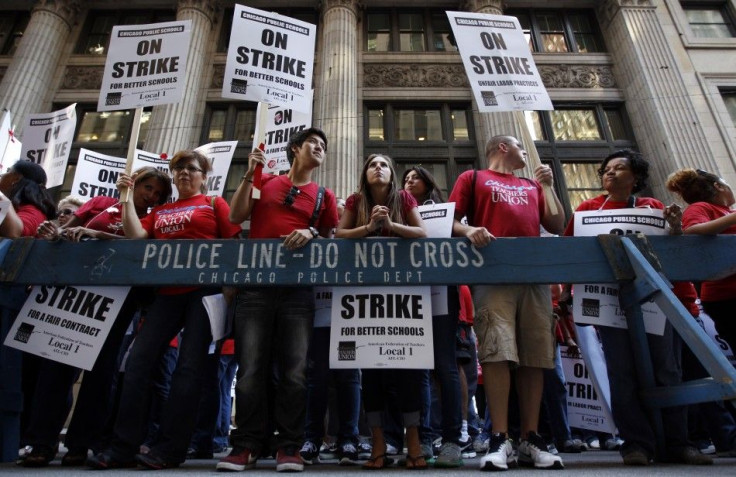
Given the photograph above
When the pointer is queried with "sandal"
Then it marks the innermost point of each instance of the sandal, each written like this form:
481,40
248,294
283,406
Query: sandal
373,461
40,456
417,462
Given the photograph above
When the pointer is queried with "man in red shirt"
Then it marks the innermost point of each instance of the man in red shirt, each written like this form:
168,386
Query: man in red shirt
499,204
274,324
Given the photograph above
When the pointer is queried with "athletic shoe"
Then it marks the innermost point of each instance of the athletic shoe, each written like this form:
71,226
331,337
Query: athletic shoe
614,443
570,446
706,447
391,449
592,444
466,447
533,453
449,456
288,460
106,460
364,450
480,443
154,462
500,454
239,459
309,453
636,457
688,455
347,454
328,451
436,446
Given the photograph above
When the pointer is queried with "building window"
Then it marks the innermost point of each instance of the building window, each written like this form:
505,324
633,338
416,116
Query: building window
560,31
729,98
96,34
309,15
109,126
230,122
436,136
573,139
12,26
408,30
709,19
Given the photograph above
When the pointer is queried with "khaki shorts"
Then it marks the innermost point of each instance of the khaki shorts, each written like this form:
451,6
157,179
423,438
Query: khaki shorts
514,323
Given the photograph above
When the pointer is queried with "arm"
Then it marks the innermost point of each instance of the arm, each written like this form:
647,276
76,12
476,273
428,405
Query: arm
552,223
414,227
346,227
131,223
713,227
76,234
50,231
478,236
242,202
11,226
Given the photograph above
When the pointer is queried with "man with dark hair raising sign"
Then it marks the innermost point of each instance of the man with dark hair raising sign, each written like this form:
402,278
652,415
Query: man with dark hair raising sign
274,324
514,323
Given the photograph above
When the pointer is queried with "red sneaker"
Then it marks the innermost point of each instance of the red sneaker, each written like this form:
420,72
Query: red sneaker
239,459
288,460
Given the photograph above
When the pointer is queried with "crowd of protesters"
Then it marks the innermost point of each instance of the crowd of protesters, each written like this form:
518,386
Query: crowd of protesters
502,339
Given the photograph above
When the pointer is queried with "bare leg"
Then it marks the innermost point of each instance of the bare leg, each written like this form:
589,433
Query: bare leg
529,385
497,383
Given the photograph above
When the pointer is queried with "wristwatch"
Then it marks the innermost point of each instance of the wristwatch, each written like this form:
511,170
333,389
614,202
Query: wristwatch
314,232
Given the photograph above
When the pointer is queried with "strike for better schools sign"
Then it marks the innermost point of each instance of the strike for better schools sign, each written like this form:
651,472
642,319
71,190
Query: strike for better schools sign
146,65
381,327
498,63
270,59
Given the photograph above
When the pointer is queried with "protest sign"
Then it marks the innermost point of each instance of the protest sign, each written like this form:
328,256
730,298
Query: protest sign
438,220
146,65
709,326
220,155
96,174
47,141
10,146
597,303
65,323
499,65
281,124
270,59
322,307
381,327
587,406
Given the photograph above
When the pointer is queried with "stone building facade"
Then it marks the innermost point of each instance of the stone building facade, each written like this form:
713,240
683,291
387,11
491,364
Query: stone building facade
655,75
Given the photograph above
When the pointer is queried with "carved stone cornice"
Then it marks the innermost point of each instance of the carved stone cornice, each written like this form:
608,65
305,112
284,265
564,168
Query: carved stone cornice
209,8
577,76
414,76
83,77
487,6
608,9
351,5
67,10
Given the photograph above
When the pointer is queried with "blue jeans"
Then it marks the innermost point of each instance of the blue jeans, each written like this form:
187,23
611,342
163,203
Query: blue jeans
272,326
444,329
554,400
629,414
225,374
166,316
209,407
347,383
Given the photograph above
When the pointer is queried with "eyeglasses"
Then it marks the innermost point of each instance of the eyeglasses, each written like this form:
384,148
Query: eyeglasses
64,212
189,169
291,196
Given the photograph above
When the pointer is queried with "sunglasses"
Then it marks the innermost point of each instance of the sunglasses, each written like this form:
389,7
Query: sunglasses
291,196
64,212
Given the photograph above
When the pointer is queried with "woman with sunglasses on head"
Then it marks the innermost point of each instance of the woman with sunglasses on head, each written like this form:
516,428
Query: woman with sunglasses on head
192,216
381,208
710,200
453,387
98,218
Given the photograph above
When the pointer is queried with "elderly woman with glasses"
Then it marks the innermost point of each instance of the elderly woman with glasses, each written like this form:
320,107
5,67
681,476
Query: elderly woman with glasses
67,206
382,208
192,216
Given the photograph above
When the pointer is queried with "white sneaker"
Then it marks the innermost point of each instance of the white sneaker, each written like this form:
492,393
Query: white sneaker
500,454
533,453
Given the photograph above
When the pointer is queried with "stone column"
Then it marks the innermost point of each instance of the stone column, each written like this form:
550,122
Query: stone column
490,124
25,87
174,126
658,102
336,105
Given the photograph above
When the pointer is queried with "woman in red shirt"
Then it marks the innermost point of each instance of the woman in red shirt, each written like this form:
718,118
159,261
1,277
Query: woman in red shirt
709,212
24,184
